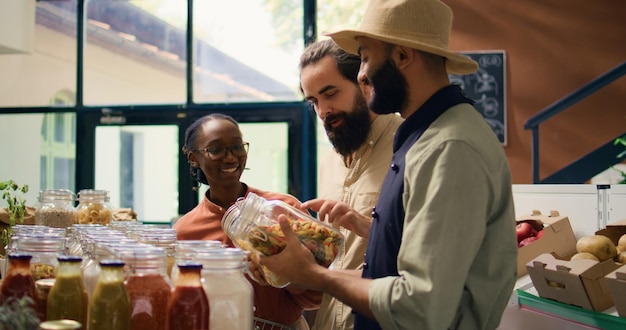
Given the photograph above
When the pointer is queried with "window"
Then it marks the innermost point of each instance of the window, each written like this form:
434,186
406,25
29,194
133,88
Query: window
134,59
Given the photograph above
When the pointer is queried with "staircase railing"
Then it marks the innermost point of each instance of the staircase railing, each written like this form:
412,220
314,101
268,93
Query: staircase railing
564,103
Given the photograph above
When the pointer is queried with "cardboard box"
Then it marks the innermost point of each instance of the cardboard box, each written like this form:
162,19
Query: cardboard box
579,282
616,282
558,237
614,230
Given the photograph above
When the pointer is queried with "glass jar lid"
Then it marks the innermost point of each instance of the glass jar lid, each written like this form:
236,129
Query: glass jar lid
93,195
223,258
49,195
40,243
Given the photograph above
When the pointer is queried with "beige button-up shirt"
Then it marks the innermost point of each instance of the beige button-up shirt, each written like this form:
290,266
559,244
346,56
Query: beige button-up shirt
356,181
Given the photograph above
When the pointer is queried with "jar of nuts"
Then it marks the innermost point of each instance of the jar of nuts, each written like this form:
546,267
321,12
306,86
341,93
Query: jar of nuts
55,208
94,207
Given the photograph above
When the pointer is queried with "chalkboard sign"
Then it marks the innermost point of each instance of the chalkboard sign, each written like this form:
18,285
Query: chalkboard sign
486,87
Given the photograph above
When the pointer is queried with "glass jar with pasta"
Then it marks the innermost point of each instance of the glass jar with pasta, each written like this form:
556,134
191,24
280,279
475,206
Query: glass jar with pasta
94,207
252,225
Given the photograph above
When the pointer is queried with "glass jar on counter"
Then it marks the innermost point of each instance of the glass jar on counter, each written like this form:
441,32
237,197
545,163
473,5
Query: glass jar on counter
55,208
25,230
98,249
94,207
230,293
74,243
42,288
164,238
44,249
186,249
147,284
252,225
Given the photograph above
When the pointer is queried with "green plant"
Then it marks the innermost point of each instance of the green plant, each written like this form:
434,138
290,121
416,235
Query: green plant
623,175
13,194
622,141
18,313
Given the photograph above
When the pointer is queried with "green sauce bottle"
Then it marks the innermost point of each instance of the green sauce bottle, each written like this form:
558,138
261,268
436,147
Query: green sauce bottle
67,298
109,307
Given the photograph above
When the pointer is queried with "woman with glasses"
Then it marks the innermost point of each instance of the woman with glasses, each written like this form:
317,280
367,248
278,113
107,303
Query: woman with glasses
217,156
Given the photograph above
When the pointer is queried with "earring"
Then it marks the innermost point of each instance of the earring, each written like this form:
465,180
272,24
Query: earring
194,164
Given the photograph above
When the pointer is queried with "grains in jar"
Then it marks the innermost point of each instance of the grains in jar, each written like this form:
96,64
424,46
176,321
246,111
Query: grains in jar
55,208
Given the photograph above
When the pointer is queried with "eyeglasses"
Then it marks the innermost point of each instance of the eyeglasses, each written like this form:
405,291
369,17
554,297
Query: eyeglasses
219,152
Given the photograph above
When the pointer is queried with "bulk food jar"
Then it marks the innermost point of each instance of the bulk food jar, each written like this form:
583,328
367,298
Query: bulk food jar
55,208
252,225
230,294
94,207
148,285
44,249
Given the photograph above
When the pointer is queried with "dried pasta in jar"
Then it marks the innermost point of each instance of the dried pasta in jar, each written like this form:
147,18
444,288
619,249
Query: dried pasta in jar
93,207
252,224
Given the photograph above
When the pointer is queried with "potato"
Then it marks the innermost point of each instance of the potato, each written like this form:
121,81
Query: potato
600,246
621,258
584,255
621,243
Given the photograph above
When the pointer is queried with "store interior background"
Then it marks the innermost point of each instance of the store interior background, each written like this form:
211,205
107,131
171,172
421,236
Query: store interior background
552,48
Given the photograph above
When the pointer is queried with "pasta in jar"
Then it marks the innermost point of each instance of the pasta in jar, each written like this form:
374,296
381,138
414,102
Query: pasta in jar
93,207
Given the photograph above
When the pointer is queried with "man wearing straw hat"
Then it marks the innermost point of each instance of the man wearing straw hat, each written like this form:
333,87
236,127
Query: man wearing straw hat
441,250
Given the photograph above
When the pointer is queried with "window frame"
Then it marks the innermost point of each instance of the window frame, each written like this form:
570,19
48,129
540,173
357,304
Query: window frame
302,156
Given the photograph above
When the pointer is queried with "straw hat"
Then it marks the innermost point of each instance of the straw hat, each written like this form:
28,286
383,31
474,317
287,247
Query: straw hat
420,24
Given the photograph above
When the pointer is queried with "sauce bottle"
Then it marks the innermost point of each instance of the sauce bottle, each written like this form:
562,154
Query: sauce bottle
109,307
67,298
188,308
18,281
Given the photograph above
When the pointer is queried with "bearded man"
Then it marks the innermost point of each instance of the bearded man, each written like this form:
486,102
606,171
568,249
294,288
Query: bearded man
351,175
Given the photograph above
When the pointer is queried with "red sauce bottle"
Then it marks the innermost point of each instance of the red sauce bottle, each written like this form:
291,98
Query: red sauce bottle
18,281
188,307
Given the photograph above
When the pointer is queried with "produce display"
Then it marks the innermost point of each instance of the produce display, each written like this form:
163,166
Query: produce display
322,241
598,248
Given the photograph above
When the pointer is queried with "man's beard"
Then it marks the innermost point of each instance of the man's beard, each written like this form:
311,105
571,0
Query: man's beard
389,89
353,131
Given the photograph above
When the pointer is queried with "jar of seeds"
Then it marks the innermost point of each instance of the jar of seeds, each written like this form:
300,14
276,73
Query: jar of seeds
55,208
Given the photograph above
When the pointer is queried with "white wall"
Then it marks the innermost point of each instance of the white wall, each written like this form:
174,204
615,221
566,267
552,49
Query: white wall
20,152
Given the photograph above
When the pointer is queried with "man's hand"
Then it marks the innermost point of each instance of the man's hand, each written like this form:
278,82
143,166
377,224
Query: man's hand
295,263
340,214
